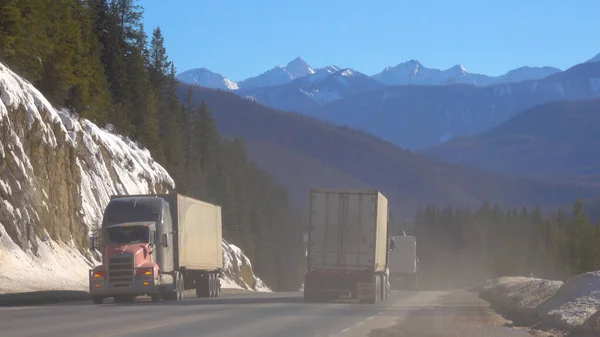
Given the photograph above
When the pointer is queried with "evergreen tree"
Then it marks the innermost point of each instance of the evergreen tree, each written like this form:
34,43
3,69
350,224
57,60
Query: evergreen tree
160,65
93,57
10,29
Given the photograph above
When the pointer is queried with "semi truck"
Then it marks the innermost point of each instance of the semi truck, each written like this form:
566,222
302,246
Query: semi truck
347,246
157,245
403,263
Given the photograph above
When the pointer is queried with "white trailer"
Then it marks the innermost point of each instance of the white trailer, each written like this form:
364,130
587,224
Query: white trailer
347,246
403,262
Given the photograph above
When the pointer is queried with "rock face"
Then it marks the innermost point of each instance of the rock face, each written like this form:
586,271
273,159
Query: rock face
57,173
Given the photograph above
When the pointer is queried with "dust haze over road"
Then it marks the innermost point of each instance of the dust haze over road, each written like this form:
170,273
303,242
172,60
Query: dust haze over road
404,313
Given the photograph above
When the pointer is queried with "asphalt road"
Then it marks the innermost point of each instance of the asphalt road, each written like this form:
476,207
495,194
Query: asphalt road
265,315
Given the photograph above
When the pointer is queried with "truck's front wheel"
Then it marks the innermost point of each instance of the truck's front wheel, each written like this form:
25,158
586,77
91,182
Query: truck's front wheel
177,293
98,299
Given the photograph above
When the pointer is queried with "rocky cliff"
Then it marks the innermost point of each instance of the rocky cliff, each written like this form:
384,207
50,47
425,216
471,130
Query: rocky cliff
57,172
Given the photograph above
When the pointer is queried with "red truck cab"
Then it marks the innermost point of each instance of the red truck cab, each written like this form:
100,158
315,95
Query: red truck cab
131,256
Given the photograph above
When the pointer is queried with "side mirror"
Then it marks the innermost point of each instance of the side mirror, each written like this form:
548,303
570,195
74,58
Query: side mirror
164,240
392,245
92,242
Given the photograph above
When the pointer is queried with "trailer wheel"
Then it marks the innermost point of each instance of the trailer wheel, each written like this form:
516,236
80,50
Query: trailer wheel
377,289
181,287
98,299
383,288
217,285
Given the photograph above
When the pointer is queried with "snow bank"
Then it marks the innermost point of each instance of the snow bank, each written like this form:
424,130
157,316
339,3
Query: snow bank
520,295
56,267
100,164
572,305
575,302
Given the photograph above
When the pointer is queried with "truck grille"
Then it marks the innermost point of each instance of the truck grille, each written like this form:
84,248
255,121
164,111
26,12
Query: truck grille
120,270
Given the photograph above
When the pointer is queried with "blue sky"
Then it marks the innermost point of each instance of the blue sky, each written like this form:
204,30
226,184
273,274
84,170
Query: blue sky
243,38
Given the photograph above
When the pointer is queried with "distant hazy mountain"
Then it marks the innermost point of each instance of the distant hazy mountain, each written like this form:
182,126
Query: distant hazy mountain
414,73
278,75
552,139
301,152
309,92
595,59
408,73
525,74
419,116
414,106
207,78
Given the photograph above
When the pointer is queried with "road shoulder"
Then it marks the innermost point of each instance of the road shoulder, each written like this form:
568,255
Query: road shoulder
449,313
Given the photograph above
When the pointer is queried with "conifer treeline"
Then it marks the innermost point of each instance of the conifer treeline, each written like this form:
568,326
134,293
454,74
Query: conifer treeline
458,247
93,57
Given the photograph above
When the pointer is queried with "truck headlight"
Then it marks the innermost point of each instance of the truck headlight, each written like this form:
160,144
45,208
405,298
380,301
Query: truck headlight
144,273
98,275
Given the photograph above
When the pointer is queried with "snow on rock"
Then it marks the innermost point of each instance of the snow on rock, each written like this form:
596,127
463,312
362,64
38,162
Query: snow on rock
575,302
573,305
238,270
56,177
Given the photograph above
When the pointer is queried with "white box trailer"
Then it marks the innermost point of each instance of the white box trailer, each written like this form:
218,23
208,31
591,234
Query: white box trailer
403,261
347,245
199,233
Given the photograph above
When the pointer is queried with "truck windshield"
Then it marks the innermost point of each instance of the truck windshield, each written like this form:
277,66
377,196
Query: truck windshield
118,213
126,235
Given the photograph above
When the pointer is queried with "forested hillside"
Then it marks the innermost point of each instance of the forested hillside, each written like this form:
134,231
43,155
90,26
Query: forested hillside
302,152
94,58
462,246
556,140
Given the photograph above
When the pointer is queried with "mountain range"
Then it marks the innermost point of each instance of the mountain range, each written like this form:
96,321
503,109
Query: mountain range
410,105
416,117
302,152
411,72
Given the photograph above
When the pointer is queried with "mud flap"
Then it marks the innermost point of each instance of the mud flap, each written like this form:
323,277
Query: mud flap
365,291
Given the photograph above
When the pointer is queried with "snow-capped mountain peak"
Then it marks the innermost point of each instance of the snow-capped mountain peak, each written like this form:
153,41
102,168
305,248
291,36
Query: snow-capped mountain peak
457,70
279,75
320,73
207,78
298,67
405,73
